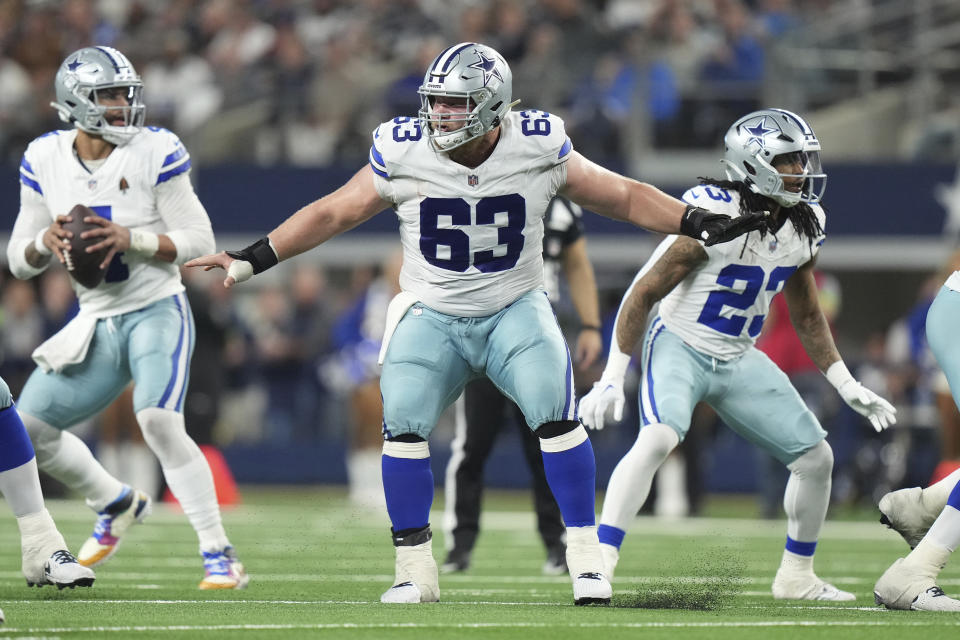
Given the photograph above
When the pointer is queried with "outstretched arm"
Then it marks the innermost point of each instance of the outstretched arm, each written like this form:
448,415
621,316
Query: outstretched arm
615,196
814,332
353,203
681,257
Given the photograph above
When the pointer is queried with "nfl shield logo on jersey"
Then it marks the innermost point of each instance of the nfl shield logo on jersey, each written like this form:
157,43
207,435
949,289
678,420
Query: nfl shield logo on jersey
473,180
92,184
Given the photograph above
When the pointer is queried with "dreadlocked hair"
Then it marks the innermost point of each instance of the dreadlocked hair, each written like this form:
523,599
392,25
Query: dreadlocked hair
804,220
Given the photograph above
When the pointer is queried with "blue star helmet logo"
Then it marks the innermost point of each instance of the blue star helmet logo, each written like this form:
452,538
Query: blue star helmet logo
73,66
488,66
759,132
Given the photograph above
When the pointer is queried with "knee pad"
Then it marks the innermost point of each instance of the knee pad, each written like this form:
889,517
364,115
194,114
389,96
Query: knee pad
166,435
46,439
816,462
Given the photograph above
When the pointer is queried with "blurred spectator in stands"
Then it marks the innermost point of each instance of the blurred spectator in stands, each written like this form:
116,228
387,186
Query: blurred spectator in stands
277,359
22,330
777,17
82,26
240,43
401,97
59,302
180,87
310,325
354,373
780,342
510,31
542,83
16,109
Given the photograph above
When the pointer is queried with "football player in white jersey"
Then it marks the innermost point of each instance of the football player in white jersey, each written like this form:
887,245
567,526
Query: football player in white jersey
136,324
701,344
928,518
470,180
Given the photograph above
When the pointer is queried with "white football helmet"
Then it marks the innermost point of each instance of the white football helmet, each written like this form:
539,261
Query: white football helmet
81,76
472,71
753,142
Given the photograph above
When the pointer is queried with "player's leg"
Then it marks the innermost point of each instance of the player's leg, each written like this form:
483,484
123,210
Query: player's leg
159,347
672,383
758,402
479,416
549,520
44,551
423,373
911,582
53,401
533,368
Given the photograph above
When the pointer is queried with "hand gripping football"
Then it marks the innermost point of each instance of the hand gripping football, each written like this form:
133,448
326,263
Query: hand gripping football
83,266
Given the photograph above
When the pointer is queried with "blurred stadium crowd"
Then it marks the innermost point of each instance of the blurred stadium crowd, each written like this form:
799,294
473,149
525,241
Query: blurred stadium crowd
304,82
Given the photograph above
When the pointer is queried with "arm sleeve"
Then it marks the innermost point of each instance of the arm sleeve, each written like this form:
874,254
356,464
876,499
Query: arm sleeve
33,217
187,221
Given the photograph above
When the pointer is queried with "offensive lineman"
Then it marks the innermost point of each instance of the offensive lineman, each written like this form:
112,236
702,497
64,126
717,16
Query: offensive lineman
470,180
701,345
137,322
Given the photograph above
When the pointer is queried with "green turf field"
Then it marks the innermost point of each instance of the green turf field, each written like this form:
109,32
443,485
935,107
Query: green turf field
318,568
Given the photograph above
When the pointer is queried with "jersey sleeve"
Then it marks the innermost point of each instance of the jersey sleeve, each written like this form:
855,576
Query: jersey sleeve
170,156
32,217
545,134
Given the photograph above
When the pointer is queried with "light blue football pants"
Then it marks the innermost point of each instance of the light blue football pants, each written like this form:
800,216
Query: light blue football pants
152,346
432,356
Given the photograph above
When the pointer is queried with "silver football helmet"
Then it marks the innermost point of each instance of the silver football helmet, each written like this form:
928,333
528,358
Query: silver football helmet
476,73
86,72
756,139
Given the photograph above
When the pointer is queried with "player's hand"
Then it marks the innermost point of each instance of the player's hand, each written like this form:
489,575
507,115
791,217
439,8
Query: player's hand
606,394
113,237
57,239
713,228
237,270
878,411
589,346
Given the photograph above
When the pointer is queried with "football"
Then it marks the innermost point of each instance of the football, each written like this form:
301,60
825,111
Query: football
83,266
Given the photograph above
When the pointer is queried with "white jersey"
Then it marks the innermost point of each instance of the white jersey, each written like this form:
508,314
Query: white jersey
472,238
719,308
953,282
53,181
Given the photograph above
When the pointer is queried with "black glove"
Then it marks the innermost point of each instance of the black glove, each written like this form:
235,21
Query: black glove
260,254
713,228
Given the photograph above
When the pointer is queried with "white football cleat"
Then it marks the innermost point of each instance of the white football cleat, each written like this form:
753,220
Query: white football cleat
223,570
611,556
133,507
417,577
63,570
906,587
904,512
591,588
806,586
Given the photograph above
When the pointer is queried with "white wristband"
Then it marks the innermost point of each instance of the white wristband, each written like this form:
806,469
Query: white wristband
838,374
617,364
41,248
144,243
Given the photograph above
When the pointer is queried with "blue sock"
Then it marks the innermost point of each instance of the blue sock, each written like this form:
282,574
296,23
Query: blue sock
801,548
408,488
610,535
15,446
572,476
954,499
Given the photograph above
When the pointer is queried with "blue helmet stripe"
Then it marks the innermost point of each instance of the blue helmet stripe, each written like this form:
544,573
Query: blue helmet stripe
106,52
440,65
450,58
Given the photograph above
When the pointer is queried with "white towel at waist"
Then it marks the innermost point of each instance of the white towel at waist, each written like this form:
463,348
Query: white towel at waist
67,346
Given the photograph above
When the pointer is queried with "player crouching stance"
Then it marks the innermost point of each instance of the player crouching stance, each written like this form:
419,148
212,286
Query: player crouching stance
45,556
470,181
701,345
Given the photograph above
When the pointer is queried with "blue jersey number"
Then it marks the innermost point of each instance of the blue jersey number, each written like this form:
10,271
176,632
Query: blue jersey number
117,271
406,129
457,242
535,123
754,277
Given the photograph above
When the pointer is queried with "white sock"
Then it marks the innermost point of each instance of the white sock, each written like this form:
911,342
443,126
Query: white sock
795,563
65,457
192,485
672,488
141,468
934,497
945,530
40,526
630,482
808,493
21,488
108,453
928,557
